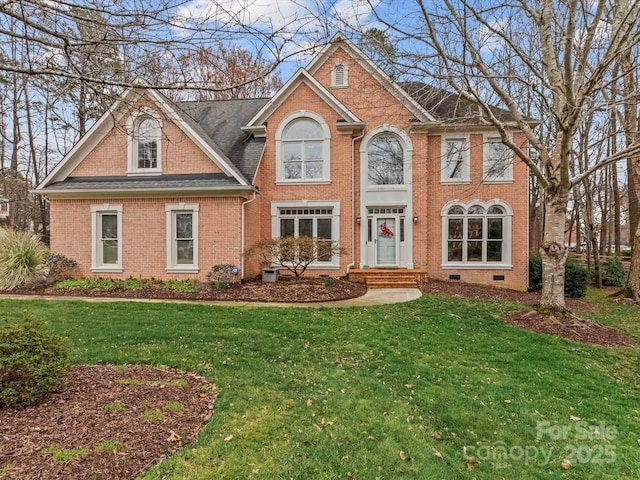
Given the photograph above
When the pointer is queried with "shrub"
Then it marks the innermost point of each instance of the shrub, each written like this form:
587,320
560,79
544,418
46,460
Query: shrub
535,272
222,275
59,265
22,255
576,277
613,272
32,363
294,254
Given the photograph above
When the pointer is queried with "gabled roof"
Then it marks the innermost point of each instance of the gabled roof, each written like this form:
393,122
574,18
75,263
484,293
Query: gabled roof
340,41
116,112
256,124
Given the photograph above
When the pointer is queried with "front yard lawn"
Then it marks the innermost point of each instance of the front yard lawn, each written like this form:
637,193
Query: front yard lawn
437,388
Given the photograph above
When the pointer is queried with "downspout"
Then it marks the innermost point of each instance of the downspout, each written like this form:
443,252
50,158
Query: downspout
242,234
353,200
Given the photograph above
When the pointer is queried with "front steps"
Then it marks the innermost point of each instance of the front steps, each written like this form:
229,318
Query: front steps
388,277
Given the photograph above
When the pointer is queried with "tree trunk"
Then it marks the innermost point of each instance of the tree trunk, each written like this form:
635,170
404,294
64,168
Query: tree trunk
632,289
553,251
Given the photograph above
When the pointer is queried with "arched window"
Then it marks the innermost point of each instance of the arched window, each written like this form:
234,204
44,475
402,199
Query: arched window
145,143
148,138
302,144
385,160
476,234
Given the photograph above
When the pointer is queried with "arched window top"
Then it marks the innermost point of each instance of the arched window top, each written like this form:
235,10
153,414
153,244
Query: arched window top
303,129
457,210
476,210
495,210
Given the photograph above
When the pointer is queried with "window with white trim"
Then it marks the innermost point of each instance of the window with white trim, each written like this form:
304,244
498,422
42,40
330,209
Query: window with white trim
182,237
106,251
145,143
455,160
385,160
498,161
318,220
339,75
476,234
302,149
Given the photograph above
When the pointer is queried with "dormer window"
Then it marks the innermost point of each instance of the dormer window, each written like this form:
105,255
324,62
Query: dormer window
145,144
339,76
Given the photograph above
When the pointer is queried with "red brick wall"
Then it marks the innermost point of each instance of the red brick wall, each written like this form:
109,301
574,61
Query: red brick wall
144,229
144,249
179,153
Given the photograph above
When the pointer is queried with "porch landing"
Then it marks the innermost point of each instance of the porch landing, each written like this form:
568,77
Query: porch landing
388,277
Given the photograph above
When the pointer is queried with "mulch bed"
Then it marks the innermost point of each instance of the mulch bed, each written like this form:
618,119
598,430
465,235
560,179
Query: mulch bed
119,420
286,289
568,325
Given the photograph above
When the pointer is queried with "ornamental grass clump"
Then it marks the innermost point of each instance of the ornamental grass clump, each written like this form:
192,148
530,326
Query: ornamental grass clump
22,255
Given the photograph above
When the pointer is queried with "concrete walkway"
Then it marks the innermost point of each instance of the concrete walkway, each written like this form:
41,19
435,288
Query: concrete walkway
374,296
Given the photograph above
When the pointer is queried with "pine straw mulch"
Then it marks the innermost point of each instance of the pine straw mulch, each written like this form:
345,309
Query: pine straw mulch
107,423
568,325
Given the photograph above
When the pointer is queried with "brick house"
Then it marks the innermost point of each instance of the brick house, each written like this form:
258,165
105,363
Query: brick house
405,177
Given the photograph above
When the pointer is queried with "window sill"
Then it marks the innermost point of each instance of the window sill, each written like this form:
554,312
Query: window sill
182,270
303,182
455,182
391,187
107,269
498,180
476,266
140,173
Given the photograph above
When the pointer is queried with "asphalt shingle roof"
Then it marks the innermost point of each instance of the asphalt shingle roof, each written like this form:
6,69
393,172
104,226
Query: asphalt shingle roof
221,121
198,181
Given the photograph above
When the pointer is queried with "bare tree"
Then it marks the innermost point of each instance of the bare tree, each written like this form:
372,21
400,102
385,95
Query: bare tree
575,46
60,35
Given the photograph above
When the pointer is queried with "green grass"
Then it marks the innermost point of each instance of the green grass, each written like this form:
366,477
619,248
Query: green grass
419,390
64,455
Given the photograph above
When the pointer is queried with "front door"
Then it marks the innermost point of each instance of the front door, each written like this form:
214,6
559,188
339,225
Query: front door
386,241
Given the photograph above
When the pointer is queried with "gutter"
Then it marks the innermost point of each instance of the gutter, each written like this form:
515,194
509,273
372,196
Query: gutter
353,201
242,234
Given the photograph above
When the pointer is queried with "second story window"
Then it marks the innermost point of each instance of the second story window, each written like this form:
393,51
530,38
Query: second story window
498,161
148,138
145,144
455,161
303,150
386,161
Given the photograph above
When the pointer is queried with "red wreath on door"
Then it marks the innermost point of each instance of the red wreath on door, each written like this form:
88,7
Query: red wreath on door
385,230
